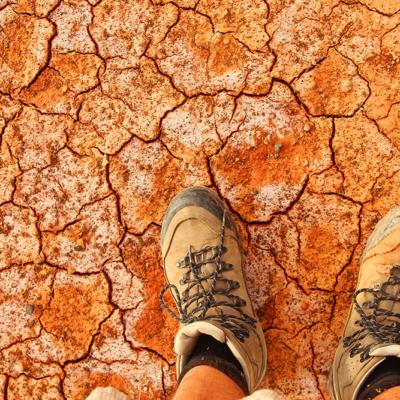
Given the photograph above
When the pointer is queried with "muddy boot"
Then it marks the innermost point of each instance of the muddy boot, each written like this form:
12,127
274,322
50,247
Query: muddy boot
366,360
202,258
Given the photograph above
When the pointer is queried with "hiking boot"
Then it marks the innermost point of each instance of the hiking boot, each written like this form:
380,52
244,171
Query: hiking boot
372,330
202,258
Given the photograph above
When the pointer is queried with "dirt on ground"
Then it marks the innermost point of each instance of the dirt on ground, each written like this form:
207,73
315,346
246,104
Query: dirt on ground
288,109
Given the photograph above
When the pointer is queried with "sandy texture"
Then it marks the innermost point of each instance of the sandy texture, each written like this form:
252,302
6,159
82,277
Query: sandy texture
289,110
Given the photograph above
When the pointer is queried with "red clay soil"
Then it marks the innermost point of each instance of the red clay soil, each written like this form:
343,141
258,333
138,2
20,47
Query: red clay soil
289,109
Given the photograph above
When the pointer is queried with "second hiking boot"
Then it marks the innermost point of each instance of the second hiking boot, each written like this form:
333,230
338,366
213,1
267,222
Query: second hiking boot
372,330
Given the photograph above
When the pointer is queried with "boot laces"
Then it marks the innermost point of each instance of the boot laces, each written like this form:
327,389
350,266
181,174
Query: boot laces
206,299
384,331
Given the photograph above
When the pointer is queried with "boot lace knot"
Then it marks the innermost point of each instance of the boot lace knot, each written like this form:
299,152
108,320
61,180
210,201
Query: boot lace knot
206,299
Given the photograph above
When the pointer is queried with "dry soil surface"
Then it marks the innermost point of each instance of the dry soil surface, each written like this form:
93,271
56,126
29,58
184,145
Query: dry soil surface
289,109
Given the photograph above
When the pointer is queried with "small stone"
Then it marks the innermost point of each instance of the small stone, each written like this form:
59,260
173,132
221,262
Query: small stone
278,147
307,127
368,56
311,85
224,14
142,42
70,270
30,309
379,187
226,41
275,74
276,155
39,260
346,86
105,160
48,159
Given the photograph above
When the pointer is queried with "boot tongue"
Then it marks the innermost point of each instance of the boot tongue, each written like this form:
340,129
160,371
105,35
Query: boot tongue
386,350
186,339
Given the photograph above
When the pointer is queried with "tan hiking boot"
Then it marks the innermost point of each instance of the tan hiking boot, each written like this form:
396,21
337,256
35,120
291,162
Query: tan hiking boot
372,330
203,265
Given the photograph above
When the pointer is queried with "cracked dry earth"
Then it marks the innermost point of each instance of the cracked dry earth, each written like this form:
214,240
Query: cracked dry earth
289,109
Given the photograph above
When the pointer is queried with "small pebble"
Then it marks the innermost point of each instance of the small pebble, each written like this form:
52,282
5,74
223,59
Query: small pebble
368,56
276,155
39,260
142,42
160,54
311,85
30,309
346,86
278,147
307,127
275,74
379,187
226,41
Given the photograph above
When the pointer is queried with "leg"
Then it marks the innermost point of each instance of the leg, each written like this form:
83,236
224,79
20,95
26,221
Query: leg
390,394
207,383
367,363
